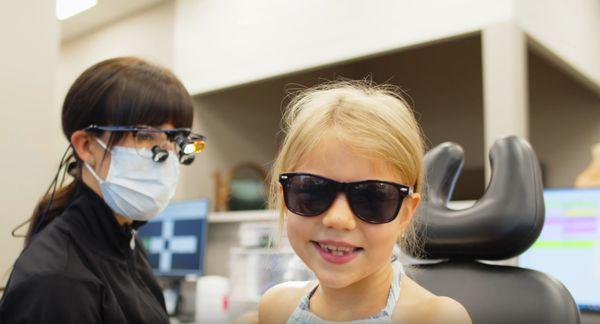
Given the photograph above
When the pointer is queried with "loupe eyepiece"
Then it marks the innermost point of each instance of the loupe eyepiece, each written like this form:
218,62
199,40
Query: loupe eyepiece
159,154
186,159
185,144
188,147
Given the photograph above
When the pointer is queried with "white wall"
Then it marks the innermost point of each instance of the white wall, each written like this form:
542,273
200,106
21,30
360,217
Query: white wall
564,121
105,11
224,43
443,80
29,115
505,104
148,34
569,29
242,124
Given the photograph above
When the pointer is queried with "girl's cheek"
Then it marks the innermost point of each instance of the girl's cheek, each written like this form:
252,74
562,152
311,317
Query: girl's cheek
294,231
383,237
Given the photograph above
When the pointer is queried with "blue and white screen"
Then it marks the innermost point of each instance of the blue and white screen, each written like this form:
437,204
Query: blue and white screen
176,239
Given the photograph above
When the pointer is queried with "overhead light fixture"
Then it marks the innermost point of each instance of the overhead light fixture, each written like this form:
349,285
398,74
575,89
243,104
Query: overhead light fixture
69,8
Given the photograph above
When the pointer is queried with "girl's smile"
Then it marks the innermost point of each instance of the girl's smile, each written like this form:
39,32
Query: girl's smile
337,252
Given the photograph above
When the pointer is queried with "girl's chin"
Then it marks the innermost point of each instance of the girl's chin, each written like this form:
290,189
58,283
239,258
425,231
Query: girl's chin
335,279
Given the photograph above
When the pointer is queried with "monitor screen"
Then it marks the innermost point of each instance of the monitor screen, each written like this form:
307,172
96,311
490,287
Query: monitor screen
176,239
569,246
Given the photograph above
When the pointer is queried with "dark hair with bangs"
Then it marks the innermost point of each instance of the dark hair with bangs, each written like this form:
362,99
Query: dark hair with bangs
124,91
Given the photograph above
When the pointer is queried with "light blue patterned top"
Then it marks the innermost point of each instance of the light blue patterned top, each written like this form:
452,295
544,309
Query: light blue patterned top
303,315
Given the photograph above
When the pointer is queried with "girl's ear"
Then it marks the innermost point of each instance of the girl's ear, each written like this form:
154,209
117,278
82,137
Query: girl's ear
409,207
415,200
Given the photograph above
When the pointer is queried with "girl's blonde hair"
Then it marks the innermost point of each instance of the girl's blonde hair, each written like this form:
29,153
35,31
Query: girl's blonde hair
374,120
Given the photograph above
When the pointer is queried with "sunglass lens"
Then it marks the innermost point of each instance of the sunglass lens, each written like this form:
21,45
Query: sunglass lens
375,202
308,195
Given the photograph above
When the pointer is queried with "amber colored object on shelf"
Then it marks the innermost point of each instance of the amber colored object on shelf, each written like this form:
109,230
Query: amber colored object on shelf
235,192
590,177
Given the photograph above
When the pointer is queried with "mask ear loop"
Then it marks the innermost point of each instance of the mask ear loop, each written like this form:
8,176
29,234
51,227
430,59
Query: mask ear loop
51,187
94,174
54,183
87,166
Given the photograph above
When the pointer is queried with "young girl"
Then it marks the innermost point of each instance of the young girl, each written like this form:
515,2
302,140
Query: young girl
347,180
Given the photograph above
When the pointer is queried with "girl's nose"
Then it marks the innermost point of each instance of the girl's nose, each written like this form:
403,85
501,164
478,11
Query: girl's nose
339,216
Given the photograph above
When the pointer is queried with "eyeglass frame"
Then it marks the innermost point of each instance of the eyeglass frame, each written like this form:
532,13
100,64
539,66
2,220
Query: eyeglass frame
171,134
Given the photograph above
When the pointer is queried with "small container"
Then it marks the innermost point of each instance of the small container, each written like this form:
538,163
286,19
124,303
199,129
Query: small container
256,234
212,300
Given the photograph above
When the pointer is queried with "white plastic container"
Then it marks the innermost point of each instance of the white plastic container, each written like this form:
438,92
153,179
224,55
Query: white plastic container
212,300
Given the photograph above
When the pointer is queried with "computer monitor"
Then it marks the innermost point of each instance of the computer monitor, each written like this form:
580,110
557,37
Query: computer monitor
176,239
569,246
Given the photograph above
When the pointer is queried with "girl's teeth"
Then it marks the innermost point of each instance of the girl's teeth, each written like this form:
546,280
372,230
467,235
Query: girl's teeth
336,250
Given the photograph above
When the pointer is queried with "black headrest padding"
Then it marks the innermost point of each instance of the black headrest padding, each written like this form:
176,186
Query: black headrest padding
503,223
494,294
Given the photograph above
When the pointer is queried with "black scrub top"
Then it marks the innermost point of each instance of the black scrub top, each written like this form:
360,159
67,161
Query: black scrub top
84,268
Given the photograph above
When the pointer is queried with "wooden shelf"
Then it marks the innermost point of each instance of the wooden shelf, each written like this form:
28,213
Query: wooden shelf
243,216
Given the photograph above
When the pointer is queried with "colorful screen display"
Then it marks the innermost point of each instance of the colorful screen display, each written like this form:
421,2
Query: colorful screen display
569,246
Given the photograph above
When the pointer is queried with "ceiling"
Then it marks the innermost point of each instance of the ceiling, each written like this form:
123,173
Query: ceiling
103,13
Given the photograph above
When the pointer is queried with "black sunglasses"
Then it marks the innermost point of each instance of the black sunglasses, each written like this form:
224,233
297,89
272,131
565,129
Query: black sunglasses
373,201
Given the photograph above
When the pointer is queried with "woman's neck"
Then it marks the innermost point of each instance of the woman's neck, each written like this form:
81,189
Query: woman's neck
122,220
362,299
93,185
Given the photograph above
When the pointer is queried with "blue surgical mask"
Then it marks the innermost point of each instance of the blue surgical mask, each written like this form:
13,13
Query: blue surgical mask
136,187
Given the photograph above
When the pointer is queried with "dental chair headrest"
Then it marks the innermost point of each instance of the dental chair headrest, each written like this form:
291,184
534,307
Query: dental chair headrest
502,224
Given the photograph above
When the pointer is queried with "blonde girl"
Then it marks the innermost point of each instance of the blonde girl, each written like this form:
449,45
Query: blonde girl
347,182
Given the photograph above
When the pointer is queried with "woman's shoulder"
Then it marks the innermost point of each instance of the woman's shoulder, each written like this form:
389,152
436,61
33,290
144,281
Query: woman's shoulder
51,297
279,302
418,305
49,254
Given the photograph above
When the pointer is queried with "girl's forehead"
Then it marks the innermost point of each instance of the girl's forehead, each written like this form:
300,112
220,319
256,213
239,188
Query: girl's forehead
341,161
